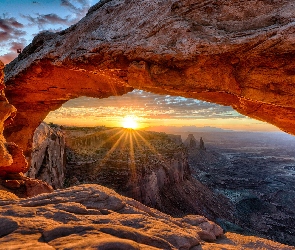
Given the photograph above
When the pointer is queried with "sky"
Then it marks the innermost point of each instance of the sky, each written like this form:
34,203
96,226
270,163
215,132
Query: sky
21,20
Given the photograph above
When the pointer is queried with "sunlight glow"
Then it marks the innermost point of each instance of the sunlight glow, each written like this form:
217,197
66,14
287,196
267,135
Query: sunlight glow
130,122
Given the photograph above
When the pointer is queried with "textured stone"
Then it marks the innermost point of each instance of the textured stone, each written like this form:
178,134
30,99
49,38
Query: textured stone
33,224
7,226
23,186
11,156
48,159
238,53
6,113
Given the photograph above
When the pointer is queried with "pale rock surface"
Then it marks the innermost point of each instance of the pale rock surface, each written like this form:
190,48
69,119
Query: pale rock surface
231,52
48,156
95,217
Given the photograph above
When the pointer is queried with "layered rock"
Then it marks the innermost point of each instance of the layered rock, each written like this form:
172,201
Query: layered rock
12,160
238,53
150,167
7,112
48,156
92,216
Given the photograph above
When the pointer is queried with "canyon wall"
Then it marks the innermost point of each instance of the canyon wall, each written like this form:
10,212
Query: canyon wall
150,167
238,53
48,156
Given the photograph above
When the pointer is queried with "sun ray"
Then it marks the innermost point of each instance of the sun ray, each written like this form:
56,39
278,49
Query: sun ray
132,155
113,148
156,153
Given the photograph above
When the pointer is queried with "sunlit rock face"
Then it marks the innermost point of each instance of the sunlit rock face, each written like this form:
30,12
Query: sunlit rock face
48,156
95,217
238,53
11,156
13,163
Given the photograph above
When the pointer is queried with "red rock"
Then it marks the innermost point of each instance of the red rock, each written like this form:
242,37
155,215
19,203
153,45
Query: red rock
228,52
35,187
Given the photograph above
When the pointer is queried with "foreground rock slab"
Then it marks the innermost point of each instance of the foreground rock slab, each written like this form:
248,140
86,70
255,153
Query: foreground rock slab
95,217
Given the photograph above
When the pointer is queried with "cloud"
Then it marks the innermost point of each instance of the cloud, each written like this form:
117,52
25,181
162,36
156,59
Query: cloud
78,7
7,58
10,29
45,19
147,105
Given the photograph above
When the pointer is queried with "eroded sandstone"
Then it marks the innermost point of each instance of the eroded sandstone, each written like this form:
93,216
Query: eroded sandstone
12,159
13,183
238,53
48,156
95,217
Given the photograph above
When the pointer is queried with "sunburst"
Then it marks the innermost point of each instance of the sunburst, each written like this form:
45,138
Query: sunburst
130,122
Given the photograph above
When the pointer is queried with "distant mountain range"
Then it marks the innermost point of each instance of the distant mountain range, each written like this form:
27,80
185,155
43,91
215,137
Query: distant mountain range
173,129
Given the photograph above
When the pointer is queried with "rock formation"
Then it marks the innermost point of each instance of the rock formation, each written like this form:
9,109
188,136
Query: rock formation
48,156
95,217
238,53
147,166
202,144
11,156
190,142
12,160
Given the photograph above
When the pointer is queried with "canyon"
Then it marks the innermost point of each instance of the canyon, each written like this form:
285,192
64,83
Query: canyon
241,180
149,167
237,53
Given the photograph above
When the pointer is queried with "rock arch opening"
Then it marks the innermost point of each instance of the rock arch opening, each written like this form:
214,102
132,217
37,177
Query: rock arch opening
246,168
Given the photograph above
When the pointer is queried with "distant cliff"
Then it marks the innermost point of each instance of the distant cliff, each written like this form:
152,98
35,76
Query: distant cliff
48,156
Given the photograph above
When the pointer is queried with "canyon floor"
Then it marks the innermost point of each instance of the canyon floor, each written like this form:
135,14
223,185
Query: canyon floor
256,171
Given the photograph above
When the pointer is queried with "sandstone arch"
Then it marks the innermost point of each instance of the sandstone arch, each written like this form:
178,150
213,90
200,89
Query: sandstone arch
238,53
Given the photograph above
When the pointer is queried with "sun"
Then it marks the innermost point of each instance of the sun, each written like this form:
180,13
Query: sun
130,122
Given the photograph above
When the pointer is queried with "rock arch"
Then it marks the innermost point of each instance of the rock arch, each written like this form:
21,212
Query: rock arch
237,53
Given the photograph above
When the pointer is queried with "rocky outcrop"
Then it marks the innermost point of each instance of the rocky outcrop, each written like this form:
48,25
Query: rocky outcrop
202,144
22,186
147,166
190,142
12,159
48,156
238,53
92,216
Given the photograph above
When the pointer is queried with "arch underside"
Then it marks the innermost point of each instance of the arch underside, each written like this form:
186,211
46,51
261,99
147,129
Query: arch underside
218,51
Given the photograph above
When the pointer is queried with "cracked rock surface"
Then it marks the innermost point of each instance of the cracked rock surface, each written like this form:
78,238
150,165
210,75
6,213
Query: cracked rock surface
96,217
